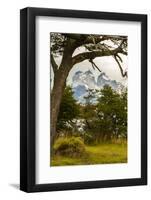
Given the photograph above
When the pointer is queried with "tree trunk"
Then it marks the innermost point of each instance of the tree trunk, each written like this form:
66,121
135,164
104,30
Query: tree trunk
56,96
109,137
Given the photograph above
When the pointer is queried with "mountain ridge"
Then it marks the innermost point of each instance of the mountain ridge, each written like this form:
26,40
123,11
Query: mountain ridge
82,81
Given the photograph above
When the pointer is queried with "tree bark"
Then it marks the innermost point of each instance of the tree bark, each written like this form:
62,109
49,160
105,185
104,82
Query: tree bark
56,96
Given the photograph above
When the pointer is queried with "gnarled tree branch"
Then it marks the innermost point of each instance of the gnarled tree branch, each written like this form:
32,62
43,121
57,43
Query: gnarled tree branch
120,67
93,54
80,40
116,57
94,65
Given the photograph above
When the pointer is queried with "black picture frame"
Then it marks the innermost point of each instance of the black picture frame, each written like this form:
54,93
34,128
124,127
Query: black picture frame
28,99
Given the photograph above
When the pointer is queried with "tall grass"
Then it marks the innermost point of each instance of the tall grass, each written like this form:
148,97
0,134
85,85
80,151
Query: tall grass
104,153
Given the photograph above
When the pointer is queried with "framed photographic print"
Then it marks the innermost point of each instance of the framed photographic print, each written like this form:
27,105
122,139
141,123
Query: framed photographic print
83,99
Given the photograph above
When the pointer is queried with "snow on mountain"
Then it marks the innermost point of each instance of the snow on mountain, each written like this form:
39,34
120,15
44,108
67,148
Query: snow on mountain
82,81
84,78
103,79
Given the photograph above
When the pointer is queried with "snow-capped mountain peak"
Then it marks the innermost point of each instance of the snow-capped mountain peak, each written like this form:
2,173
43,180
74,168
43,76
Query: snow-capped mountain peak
84,78
82,81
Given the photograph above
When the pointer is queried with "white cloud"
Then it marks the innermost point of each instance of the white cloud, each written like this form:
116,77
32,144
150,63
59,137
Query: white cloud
106,64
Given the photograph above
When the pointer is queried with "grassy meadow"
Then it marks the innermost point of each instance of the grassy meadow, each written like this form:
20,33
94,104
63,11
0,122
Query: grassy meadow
95,154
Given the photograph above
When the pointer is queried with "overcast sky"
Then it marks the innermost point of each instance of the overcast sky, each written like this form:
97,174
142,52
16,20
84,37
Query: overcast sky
106,64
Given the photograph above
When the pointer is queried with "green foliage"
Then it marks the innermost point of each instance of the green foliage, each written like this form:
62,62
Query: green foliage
89,115
112,112
70,146
104,120
105,129
108,118
69,109
57,43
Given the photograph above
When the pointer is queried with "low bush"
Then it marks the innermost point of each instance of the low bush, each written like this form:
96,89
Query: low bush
70,146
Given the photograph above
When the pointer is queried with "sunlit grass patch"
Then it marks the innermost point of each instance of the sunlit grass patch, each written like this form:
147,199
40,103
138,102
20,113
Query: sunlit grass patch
97,154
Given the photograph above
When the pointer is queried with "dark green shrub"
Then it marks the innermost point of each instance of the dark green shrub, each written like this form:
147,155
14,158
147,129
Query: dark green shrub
70,146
